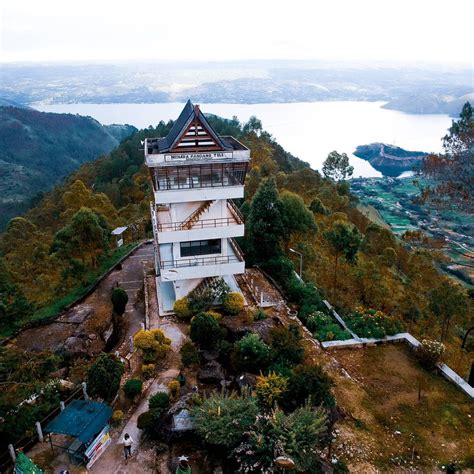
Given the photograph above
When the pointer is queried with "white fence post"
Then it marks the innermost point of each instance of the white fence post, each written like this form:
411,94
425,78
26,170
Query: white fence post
11,450
84,391
39,431
62,405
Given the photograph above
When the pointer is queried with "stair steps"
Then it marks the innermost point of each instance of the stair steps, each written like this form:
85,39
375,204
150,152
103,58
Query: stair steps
194,217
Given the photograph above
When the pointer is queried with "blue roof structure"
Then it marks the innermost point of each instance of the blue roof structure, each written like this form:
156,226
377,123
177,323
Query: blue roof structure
81,419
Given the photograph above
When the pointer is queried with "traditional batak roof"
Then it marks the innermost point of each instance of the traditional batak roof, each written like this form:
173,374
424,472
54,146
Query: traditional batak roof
191,132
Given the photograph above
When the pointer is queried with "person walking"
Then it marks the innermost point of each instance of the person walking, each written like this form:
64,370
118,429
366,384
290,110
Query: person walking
127,442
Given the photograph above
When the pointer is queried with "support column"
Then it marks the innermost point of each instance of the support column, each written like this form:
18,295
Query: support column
62,405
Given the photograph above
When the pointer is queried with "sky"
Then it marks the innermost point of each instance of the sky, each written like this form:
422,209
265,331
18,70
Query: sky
178,30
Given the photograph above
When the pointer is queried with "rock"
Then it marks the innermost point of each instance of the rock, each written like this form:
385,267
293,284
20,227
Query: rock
92,336
75,345
212,372
210,355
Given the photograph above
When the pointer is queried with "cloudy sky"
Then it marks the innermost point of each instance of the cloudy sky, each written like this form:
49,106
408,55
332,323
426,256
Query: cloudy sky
96,30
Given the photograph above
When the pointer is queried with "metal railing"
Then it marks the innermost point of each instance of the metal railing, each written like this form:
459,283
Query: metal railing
235,211
202,224
198,261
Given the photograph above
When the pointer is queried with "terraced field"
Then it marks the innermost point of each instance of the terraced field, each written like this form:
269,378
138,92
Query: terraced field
392,200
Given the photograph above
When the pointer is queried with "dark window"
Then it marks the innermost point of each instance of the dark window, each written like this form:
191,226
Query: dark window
199,176
200,247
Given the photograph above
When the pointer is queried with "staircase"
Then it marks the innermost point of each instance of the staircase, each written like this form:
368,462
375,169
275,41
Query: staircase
194,217
202,287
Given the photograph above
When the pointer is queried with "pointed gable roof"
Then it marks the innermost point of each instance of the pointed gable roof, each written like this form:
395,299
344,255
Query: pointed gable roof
191,132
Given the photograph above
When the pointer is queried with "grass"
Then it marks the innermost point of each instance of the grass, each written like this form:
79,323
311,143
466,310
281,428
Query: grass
53,310
433,431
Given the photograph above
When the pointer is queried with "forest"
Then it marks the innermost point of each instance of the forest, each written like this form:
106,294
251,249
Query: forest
382,284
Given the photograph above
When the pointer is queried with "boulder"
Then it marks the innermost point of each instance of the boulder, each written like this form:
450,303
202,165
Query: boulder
212,372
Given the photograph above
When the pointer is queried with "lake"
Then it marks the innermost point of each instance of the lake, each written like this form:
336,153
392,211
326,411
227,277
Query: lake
308,130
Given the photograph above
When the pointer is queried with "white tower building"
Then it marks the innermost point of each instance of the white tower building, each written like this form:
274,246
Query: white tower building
195,175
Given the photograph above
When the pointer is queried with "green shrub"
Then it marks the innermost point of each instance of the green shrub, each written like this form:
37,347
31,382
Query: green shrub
372,323
173,387
269,389
223,419
148,370
154,344
181,308
287,345
159,401
233,303
308,382
259,314
189,354
103,377
132,388
149,421
119,300
251,354
205,331
117,417
325,328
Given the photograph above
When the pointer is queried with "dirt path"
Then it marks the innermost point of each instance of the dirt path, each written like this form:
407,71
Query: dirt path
144,459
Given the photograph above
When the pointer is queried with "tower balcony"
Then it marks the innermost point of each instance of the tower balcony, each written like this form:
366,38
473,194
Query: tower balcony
231,224
201,267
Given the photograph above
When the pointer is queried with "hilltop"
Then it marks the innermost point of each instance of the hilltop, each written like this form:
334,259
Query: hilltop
38,149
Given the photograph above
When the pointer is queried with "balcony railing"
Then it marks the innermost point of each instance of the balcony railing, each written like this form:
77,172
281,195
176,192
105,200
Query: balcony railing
202,224
237,218
197,261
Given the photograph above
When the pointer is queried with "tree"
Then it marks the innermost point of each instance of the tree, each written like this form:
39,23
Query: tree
345,241
222,419
251,353
205,330
453,170
447,301
103,377
265,224
336,166
317,207
87,235
296,216
119,300
287,345
308,382
299,436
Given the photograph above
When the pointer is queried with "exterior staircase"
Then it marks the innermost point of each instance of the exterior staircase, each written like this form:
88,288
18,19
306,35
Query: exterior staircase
194,217
203,286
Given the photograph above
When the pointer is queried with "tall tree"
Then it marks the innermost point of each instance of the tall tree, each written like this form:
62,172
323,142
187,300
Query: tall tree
295,215
453,170
336,166
447,301
265,226
344,240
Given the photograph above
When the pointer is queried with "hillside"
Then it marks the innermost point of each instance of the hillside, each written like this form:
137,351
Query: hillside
38,149
390,160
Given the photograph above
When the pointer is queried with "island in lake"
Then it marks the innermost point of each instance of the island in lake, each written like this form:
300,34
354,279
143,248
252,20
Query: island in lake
388,159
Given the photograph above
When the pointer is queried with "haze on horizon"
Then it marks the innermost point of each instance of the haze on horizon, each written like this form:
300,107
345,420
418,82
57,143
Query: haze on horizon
366,30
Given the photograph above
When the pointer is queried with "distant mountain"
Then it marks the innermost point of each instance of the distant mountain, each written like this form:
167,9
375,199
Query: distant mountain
12,103
388,159
38,149
426,103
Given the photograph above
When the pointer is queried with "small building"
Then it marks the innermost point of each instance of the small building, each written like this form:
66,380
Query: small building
118,234
195,173
87,423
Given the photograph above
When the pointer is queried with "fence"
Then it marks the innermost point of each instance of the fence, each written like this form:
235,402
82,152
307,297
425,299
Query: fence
27,442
